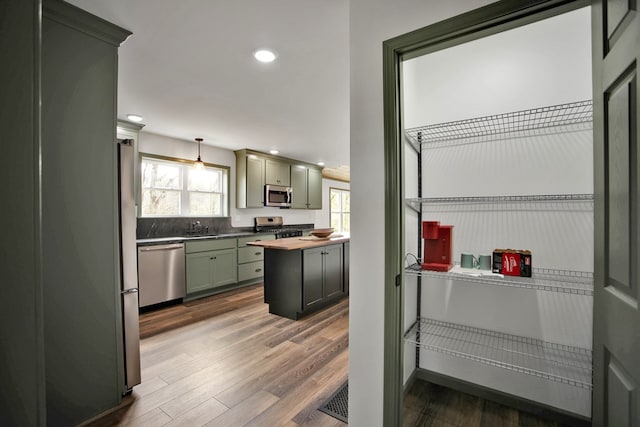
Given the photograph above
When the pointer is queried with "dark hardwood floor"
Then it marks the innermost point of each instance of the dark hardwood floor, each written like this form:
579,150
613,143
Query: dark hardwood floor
225,361
429,404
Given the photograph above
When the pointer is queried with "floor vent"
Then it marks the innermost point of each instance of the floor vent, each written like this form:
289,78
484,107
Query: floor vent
338,405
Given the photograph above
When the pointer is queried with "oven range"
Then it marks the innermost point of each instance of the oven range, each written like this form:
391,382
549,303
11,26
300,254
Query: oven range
274,224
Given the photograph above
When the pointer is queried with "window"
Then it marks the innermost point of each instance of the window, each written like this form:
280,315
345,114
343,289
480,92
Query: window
339,201
178,188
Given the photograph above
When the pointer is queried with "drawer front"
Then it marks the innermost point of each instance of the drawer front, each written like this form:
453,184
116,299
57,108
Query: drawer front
250,254
242,241
251,270
209,245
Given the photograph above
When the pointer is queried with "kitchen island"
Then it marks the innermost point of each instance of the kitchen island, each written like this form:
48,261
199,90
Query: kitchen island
304,274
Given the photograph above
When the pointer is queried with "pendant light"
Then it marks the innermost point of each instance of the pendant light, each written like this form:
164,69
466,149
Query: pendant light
199,164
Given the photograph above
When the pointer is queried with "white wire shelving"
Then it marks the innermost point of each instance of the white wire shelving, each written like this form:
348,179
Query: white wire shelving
560,118
563,281
419,203
556,362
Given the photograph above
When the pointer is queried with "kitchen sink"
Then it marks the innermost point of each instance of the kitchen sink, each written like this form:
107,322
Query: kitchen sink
193,235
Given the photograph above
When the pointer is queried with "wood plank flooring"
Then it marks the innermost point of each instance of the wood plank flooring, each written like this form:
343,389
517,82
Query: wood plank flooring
429,404
225,361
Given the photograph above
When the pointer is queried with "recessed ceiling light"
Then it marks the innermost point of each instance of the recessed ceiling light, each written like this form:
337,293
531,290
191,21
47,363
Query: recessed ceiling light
264,55
274,152
320,163
134,117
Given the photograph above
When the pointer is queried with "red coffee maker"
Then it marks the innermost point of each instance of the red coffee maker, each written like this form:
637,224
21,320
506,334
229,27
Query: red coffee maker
438,242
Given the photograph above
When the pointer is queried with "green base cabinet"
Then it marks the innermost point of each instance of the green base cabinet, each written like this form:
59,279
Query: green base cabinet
298,282
211,264
322,274
250,259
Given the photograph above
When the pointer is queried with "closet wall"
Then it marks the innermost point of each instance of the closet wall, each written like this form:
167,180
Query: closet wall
539,65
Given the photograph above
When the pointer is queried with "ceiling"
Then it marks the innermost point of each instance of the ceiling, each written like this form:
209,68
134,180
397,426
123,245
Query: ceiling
189,70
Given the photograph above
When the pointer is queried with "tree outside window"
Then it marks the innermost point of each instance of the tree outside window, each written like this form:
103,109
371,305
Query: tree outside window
339,201
177,188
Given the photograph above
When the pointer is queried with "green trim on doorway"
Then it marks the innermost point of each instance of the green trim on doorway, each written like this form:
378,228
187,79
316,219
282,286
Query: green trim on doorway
491,19
394,241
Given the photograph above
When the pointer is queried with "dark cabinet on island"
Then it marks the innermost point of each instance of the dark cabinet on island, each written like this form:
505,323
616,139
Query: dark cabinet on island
304,276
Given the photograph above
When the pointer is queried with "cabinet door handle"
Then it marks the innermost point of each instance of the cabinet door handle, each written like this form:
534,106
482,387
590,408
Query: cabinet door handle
258,270
258,253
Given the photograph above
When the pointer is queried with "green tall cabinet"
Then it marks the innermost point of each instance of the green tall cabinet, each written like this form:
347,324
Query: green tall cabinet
81,267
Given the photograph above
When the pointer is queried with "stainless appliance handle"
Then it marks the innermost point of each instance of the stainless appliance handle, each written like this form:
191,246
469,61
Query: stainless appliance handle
161,247
129,291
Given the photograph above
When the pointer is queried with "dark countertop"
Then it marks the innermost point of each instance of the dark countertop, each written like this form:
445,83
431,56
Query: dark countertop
179,239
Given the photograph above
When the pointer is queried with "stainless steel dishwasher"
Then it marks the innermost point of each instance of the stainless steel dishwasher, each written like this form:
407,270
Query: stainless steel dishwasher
161,273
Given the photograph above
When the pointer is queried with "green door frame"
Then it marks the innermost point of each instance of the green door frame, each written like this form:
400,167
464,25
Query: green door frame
491,19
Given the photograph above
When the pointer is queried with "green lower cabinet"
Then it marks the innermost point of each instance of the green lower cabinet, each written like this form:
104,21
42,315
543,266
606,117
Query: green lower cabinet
333,271
250,271
322,274
207,270
250,258
312,277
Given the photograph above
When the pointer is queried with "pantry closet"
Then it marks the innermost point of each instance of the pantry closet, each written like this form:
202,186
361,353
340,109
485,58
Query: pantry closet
498,143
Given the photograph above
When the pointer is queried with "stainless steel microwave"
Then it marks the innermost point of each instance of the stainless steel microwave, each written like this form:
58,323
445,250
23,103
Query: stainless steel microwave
277,195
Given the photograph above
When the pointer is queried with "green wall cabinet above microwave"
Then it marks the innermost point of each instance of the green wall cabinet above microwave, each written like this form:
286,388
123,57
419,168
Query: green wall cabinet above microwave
277,173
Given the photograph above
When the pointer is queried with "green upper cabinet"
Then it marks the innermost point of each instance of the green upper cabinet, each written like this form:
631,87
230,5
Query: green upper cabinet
314,188
306,185
250,170
299,187
255,169
255,182
277,173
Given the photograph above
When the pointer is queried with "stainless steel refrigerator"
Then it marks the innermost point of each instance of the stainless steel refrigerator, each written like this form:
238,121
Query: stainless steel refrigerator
128,264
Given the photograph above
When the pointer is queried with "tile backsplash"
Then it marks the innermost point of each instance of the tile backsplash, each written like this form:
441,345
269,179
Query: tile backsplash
149,228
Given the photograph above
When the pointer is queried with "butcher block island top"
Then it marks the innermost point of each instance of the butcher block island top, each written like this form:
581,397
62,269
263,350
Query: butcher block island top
307,242
304,274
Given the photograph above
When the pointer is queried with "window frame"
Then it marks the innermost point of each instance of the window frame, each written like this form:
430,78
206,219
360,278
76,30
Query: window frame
342,212
226,185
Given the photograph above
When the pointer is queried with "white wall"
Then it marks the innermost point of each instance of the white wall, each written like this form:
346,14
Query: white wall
372,22
166,146
526,67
